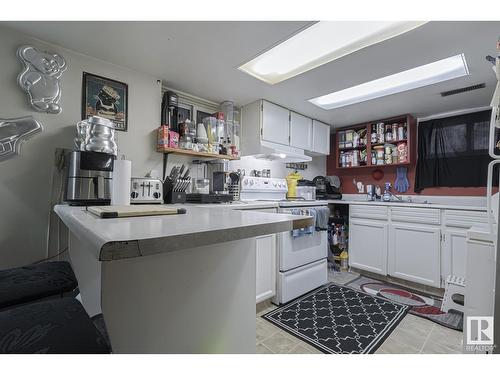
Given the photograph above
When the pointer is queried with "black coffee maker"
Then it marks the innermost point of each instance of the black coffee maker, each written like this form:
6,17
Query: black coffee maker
325,188
169,109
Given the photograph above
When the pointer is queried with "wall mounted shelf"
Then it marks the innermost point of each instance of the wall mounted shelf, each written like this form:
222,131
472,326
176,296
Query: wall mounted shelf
410,141
180,151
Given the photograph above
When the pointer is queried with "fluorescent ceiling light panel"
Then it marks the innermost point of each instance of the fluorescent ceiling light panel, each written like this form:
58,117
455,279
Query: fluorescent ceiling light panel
439,71
319,44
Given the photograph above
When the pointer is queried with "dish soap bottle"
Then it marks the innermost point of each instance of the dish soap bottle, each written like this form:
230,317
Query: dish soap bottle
344,260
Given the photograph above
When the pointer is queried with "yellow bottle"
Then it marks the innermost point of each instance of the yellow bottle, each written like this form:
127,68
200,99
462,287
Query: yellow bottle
344,260
291,181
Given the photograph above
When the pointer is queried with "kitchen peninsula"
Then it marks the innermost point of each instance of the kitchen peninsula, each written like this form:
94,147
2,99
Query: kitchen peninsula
175,283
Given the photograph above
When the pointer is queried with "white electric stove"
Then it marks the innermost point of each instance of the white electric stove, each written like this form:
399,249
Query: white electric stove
301,261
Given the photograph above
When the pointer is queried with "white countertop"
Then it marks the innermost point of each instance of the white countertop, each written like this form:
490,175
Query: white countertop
451,203
139,236
482,232
236,205
253,205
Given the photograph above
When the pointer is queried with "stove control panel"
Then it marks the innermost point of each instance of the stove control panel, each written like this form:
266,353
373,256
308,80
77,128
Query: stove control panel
263,184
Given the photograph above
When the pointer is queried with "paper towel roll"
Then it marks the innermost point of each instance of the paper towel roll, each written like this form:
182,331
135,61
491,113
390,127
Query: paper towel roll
120,192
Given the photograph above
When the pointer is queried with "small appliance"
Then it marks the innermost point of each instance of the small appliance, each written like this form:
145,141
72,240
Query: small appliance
219,194
327,187
305,190
88,177
146,190
169,108
201,185
219,184
219,168
209,198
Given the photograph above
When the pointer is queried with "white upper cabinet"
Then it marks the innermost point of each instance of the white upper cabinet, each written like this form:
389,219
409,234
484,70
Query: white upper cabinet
275,123
300,131
321,138
265,125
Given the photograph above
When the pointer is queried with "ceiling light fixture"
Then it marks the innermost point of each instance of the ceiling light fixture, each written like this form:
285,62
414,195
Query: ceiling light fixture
424,75
319,44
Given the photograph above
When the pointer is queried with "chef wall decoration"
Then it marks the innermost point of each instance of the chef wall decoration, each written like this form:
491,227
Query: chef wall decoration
13,132
106,98
40,78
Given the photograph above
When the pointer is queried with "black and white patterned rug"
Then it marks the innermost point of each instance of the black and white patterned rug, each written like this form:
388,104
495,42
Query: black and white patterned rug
339,320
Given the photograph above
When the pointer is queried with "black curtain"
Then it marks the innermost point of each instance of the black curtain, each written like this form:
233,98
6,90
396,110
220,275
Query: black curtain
453,151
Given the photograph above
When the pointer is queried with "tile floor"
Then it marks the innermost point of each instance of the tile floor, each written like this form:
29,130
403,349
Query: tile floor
413,335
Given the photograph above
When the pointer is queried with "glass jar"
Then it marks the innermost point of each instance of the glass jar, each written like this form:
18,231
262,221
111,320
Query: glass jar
380,154
210,124
236,135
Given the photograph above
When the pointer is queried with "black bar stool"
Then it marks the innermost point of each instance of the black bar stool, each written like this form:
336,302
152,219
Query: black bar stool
57,326
29,283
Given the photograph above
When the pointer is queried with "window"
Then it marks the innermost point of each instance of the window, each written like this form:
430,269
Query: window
453,151
192,107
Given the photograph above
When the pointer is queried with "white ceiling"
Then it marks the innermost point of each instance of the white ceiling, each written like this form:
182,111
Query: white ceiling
201,58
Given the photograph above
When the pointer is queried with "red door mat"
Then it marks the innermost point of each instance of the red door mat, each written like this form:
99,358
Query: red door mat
422,304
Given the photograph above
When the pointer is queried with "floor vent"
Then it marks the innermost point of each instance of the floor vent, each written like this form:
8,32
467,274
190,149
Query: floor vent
463,89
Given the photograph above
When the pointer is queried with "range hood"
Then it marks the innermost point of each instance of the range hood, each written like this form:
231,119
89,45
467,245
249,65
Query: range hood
286,154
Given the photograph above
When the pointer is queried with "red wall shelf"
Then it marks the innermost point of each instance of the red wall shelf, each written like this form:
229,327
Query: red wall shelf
410,141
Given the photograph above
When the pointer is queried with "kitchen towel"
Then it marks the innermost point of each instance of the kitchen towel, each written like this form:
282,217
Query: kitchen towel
322,218
120,192
304,231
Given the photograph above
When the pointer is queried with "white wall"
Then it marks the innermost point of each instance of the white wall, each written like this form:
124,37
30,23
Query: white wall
314,168
25,181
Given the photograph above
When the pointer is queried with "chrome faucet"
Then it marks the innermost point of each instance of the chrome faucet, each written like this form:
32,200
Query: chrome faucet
388,194
395,196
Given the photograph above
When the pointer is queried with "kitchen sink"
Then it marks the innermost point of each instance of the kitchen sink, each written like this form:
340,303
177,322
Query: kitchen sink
406,202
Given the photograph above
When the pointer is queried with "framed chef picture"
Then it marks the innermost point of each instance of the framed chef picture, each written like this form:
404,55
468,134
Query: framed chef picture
106,98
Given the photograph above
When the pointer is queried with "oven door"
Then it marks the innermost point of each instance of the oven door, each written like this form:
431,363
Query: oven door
297,251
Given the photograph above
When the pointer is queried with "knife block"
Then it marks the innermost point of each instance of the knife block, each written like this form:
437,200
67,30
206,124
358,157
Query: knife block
171,196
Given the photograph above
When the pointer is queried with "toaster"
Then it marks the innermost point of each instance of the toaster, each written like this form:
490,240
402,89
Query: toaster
146,190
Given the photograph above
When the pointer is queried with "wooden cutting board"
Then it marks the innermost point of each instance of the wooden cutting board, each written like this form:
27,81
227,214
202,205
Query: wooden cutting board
113,212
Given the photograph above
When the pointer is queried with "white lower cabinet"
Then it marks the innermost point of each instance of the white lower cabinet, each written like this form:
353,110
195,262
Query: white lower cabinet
368,245
422,245
456,223
265,267
454,253
415,252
